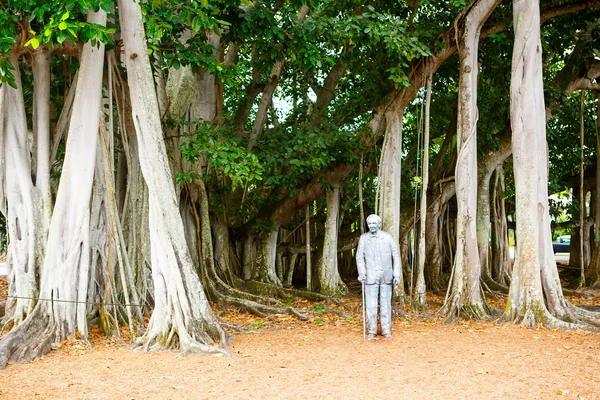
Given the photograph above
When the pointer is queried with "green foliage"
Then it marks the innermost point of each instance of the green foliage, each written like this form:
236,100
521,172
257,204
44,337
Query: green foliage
179,30
186,177
319,308
32,23
264,226
257,325
224,152
291,156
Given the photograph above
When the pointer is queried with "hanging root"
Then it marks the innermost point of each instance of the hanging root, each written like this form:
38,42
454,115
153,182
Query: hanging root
491,285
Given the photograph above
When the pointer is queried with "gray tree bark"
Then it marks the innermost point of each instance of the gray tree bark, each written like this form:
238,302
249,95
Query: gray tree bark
329,280
465,292
182,316
535,294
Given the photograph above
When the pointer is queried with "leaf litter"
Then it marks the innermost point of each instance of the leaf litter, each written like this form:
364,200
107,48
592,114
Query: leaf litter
281,356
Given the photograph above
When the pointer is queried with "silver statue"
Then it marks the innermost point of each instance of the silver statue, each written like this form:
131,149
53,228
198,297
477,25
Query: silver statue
378,262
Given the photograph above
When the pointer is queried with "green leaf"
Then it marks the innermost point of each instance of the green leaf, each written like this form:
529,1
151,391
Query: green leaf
65,16
62,26
33,42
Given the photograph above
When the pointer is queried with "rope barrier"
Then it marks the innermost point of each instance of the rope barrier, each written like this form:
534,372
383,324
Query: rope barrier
75,301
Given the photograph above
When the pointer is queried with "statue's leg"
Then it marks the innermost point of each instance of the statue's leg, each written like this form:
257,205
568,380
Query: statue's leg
371,294
385,309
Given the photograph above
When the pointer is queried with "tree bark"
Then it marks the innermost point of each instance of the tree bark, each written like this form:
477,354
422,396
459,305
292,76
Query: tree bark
182,316
535,294
594,270
582,206
24,219
419,300
465,292
389,173
264,269
64,274
487,164
329,281
41,121
265,102
501,262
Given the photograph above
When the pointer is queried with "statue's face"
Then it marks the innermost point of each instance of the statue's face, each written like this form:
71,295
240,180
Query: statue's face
373,225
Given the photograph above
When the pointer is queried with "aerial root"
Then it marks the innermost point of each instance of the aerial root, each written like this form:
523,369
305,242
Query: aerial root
491,286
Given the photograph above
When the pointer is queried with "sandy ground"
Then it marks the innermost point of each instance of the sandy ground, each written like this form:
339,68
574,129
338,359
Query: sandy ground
328,358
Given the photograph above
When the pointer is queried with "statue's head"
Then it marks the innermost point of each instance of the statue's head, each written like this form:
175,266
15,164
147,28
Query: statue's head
374,223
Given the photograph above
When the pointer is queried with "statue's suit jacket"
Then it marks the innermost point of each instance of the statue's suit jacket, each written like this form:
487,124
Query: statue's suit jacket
378,257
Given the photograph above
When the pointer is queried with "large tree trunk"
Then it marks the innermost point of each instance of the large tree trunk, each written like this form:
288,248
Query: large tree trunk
390,173
66,266
64,274
329,281
23,217
182,316
526,301
465,293
535,294
594,269
264,269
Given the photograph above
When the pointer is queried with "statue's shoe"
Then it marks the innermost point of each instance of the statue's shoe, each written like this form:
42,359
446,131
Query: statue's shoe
371,336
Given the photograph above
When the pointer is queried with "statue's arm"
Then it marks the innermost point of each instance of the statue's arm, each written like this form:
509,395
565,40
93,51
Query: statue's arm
360,257
395,257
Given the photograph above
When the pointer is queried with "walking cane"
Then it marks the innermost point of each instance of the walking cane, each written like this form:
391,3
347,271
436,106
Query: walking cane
363,310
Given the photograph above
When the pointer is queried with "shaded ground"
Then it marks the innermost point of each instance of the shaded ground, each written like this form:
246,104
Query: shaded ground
328,358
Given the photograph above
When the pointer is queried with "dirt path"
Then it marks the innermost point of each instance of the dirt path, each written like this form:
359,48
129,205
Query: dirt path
327,358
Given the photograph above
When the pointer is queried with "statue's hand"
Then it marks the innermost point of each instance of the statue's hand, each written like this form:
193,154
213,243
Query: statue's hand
361,278
396,280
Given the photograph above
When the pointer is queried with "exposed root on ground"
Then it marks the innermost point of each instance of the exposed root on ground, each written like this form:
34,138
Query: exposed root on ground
190,340
572,318
259,309
453,309
32,338
262,288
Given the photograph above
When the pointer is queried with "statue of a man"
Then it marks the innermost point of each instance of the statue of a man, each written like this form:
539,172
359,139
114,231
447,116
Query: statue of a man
378,262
